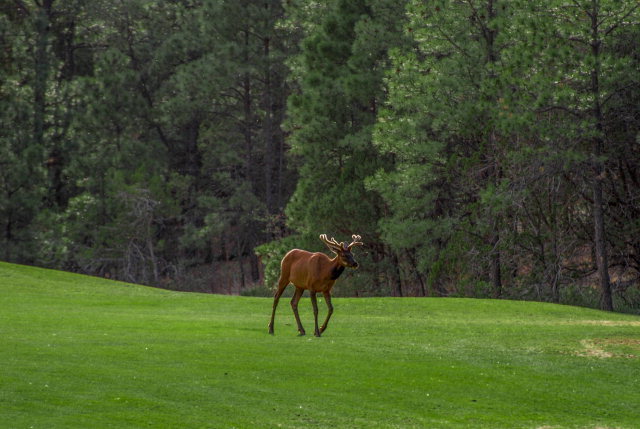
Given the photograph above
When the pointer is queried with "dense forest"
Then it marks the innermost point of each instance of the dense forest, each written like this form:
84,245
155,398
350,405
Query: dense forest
481,148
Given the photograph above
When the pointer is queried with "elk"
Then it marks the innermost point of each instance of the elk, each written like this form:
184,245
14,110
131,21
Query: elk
315,272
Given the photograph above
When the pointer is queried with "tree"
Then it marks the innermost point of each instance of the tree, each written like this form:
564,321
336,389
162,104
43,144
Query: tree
444,123
39,64
174,106
590,76
342,62
492,161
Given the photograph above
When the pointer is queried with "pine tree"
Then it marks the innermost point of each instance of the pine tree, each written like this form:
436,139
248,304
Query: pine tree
342,62
444,124
498,120
587,73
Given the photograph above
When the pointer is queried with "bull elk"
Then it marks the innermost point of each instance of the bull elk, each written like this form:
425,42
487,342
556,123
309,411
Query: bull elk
315,272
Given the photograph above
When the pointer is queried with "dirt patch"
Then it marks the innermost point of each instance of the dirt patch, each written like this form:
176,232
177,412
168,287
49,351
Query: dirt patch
590,349
601,347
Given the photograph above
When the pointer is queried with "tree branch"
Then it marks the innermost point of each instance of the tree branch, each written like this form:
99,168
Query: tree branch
617,24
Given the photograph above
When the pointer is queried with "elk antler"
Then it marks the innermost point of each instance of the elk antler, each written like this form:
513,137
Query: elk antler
333,245
356,241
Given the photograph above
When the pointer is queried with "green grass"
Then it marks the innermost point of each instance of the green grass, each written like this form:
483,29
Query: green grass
80,352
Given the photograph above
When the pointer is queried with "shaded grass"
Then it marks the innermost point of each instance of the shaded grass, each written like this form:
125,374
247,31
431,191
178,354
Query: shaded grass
85,352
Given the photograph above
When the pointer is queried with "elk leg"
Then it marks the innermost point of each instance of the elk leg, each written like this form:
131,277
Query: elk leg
314,303
276,298
327,298
294,306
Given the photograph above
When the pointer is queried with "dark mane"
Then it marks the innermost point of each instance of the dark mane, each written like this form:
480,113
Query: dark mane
335,273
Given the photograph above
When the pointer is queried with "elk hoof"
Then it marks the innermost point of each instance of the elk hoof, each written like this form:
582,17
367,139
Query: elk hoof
302,334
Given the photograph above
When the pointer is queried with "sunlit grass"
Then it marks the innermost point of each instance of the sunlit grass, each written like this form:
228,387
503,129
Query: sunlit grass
84,352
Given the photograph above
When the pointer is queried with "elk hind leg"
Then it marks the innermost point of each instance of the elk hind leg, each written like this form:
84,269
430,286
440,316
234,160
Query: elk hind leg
282,285
294,306
314,302
327,298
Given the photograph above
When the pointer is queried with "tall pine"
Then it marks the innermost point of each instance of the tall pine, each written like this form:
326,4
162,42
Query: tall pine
444,123
331,120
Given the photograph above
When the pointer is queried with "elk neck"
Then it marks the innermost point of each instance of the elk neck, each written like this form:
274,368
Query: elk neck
336,270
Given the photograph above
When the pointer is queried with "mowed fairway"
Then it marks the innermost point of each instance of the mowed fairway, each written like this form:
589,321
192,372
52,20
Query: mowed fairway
83,352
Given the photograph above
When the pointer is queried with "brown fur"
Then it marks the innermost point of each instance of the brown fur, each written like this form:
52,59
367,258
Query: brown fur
310,271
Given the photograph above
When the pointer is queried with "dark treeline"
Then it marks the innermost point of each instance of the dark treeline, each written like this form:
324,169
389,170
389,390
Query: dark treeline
482,148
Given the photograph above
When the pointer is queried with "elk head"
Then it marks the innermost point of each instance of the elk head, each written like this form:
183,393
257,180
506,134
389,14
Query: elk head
343,250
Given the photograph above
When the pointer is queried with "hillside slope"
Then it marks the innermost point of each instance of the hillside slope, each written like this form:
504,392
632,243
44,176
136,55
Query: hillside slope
83,352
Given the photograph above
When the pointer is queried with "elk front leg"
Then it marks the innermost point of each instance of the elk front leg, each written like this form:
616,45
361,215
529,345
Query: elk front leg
314,302
294,306
327,298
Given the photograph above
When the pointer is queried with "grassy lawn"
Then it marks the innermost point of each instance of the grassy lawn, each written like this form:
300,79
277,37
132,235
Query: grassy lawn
84,352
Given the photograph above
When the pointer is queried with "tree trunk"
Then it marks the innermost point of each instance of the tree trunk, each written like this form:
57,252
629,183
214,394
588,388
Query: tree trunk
398,277
600,245
602,257
248,117
8,237
41,64
268,124
496,270
492,58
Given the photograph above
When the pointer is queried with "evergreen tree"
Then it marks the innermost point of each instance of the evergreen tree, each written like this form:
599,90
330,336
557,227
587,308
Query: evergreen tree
150,134
21,169
40,63
481,148
586,77
342,62
444,123
495,163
